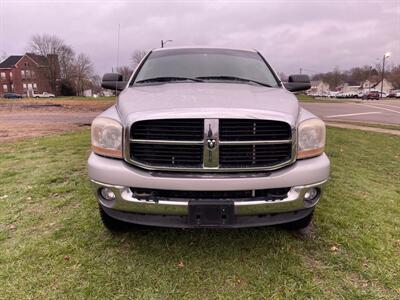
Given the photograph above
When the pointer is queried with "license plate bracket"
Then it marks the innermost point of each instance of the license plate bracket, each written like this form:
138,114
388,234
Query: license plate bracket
211,213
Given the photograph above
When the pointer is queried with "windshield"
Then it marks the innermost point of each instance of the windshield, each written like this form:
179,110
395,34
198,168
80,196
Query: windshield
205,65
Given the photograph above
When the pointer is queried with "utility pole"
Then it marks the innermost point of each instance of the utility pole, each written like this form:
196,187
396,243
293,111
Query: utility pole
300,71
386,55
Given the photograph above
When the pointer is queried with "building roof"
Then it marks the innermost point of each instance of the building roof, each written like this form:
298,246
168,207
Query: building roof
10,61
39,59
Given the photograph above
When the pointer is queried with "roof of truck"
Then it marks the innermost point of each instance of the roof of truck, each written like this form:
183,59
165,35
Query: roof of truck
202,47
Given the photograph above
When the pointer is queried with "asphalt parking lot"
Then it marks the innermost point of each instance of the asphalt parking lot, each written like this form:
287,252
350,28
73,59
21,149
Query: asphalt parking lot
381,111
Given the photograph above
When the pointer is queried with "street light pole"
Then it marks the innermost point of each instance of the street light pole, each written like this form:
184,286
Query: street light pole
386,55
164,42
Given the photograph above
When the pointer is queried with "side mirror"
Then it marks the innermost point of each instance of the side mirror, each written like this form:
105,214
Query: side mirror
113,81
298,83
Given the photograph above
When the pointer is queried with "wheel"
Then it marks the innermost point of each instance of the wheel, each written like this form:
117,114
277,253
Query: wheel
299,224
112,224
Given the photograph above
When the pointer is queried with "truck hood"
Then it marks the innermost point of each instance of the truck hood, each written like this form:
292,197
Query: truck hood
207,100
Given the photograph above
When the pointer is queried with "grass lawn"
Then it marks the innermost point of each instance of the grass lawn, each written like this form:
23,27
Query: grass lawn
374,125
52,243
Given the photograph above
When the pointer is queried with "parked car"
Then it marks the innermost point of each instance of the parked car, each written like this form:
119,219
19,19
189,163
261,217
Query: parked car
43,95
394,94
12,96
207,137
383,94
333,94
371,95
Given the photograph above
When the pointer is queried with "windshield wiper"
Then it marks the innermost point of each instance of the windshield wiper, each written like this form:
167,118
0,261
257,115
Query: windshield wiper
168,79
232,78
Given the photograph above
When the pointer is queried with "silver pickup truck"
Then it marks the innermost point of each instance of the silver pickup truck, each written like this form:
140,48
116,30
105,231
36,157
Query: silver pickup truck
207,137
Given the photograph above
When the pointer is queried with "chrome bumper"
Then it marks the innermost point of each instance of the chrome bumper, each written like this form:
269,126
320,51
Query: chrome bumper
124,201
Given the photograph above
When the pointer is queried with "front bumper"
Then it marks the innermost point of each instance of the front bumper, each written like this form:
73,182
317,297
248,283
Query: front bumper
119,177
125,201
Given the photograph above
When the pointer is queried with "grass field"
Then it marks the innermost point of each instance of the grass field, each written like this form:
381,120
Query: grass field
53,246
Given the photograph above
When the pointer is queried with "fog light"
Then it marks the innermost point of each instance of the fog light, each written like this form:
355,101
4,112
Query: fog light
311,194
107,194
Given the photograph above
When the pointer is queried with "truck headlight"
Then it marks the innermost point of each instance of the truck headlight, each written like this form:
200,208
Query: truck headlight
310,138
107,137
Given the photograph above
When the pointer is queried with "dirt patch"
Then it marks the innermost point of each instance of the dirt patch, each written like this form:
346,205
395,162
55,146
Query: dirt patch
20,119
79,105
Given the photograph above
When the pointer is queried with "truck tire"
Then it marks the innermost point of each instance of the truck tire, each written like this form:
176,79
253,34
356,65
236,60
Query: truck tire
112,224
299,224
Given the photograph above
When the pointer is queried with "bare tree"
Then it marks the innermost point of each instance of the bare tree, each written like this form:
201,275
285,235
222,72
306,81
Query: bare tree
52,48
137,56
125,71
83,72
283,76
66,58
96,84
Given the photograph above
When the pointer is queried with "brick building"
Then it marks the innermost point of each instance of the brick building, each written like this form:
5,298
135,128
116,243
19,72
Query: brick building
24,74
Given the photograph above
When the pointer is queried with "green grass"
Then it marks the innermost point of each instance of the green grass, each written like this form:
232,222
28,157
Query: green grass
374,125
53,246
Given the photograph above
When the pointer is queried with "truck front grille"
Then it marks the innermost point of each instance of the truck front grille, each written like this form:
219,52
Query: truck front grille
247,156
168,155
253,130
169,129
210,145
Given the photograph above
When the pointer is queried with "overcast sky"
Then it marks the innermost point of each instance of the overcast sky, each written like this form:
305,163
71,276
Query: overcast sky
314,35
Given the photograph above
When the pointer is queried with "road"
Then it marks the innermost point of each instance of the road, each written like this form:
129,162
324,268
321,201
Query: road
382,111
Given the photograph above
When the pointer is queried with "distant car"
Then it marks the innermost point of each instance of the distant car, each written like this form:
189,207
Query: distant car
43,95
394,94
12,96
371,95
383,94
360,94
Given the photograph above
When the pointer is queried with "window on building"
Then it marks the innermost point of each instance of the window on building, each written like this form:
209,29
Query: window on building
24,86
5,88
3,75
27,73
11,76
34,86
23,74
29,86
33,74
12,87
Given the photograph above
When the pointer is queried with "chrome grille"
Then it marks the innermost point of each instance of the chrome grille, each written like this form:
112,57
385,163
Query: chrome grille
210,145
168,155
169,129
247,156
253,130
